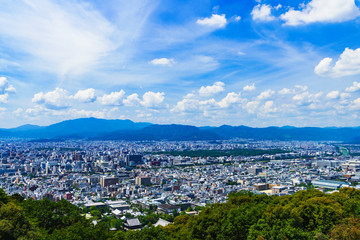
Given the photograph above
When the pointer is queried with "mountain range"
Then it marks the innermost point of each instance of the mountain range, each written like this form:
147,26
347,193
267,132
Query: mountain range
102,129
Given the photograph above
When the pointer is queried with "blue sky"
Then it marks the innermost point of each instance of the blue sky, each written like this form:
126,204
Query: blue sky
244,62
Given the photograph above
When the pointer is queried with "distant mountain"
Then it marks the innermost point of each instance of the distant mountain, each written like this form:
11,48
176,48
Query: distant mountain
171,132
77,128
102,129
26,127
288,133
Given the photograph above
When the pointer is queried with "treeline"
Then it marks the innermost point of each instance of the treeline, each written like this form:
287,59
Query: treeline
307,214
220,153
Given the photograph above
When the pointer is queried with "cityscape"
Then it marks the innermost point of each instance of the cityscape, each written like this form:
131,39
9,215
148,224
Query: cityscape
179,120
125,176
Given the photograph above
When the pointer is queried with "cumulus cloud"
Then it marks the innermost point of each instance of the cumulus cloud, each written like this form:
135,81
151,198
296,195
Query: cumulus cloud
5,86
268,107
266,94
231,98
4,98
355,104
191,103
322,11
295,90
236,18
306,98
252,106
345,95
87,95
162,61
347,65
211,90
114,98
216,21
132,100
186,105
262,12
249,88
152,99
355,87
333,95
5,89
57,99
285,91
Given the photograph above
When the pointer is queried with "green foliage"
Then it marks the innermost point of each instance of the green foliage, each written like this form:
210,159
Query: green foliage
13,223
309,214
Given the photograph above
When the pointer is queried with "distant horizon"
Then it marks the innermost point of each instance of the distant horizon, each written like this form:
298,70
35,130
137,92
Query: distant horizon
255,63
198,126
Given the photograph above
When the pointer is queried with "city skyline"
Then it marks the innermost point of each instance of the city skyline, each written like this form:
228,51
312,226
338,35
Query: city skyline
255,63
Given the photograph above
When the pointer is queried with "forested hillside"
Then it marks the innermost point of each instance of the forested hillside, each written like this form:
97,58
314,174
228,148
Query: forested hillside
307,214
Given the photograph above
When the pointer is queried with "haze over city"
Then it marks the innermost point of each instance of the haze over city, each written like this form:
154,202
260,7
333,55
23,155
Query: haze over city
256,63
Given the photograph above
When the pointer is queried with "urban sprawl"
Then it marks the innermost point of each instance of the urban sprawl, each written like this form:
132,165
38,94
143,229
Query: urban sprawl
168,177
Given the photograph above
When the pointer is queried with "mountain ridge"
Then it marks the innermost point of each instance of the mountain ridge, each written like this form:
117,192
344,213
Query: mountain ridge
116,129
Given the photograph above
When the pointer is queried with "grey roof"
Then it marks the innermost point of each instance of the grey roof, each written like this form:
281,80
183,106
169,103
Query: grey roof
133,222
161,222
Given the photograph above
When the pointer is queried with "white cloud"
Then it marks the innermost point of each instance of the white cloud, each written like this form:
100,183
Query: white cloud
231,98
5,86
191,103
236,18
269,107
249,88
87,95
323,67
132,100
295,90
285,91
322,11
345,95
262,12
66,38
265,95
347,65
114,98
152,99
306,98
355,87
278,7
355,104
333,94
56,99
252,106
211,90
186,105
4,98
216,21
162,61
75,113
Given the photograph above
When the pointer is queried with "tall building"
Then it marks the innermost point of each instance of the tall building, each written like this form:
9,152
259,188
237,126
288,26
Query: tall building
255,170
133,160
143,180
107,181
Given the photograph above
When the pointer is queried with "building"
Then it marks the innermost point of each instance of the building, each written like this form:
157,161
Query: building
142,180
68,196
132,224
107,181
161,222
168,208
255,170
328,184
133,160
261,186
